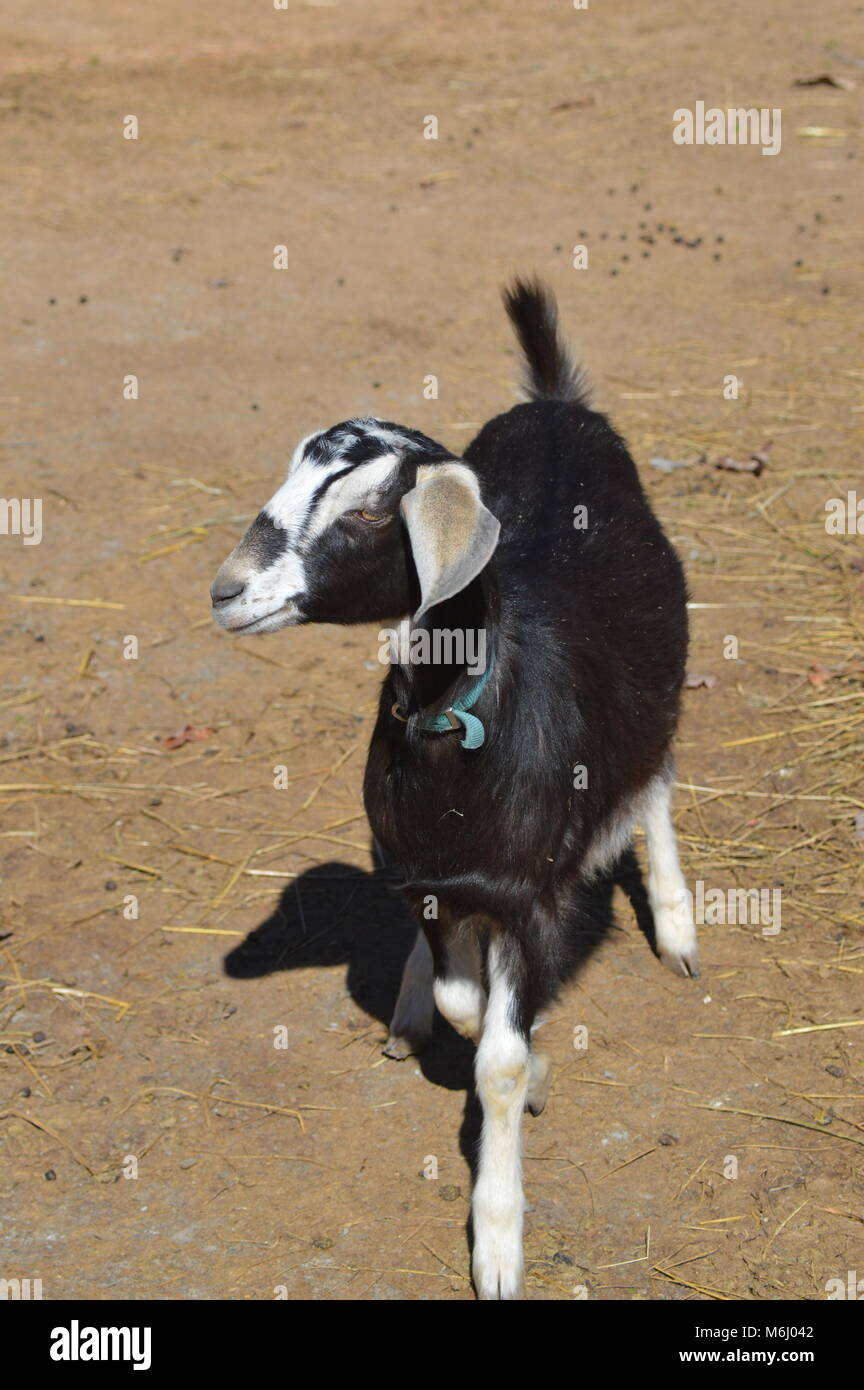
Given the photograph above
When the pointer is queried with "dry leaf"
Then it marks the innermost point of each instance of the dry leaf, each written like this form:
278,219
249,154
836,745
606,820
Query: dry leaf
825,79
188,734
576,101
818,674
753,464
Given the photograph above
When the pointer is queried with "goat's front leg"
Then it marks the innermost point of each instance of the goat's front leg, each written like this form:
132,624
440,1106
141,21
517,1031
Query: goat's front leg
503,1071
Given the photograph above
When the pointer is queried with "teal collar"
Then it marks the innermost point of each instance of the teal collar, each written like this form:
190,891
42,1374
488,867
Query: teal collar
456,716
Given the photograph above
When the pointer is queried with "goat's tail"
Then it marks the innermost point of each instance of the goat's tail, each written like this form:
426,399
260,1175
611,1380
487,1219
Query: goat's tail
549,371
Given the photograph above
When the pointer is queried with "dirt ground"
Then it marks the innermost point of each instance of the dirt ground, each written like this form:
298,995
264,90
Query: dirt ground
158,1139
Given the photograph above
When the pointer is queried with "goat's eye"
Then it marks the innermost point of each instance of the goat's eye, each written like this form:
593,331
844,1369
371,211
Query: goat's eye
365,515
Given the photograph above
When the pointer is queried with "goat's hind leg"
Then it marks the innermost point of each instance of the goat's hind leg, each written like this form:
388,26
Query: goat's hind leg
411,1027
671,905
458,987
539,1082
444,968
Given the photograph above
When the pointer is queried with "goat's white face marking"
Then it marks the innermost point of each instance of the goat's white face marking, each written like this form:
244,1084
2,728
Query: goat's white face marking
292,505
333,472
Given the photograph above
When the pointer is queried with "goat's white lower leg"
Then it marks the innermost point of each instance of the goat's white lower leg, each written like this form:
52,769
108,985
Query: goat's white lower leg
459,992
671,904
502,1070
412,1019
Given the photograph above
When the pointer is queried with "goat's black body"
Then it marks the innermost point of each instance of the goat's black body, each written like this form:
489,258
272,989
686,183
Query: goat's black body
588,633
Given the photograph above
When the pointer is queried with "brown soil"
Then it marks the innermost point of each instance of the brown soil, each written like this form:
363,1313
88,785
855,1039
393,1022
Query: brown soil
302,1168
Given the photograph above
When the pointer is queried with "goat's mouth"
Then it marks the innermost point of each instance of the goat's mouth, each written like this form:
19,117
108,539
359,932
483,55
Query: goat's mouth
288,615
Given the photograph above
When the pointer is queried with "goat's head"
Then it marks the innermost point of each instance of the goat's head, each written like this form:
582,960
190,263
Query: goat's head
374,521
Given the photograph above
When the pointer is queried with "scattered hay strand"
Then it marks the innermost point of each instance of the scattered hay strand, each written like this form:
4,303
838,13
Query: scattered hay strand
819,1028
207,1096
46,1129
777,1119
65,602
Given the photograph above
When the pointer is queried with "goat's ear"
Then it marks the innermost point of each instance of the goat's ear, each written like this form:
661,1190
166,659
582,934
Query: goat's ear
452,534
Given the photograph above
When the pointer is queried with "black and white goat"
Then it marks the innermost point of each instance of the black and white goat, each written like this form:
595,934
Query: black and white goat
539,537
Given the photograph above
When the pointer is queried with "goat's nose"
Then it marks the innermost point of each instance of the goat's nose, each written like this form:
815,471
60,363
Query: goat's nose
225,588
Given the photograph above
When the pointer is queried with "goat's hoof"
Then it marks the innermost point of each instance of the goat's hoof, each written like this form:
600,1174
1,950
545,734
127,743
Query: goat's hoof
399,1047
498,1286
539,1084
497,1261
684,963
500,1297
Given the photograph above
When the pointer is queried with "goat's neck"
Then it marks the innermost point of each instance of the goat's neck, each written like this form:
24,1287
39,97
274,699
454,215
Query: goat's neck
463,628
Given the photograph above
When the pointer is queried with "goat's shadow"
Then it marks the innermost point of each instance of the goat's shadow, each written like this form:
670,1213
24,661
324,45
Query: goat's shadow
336,914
